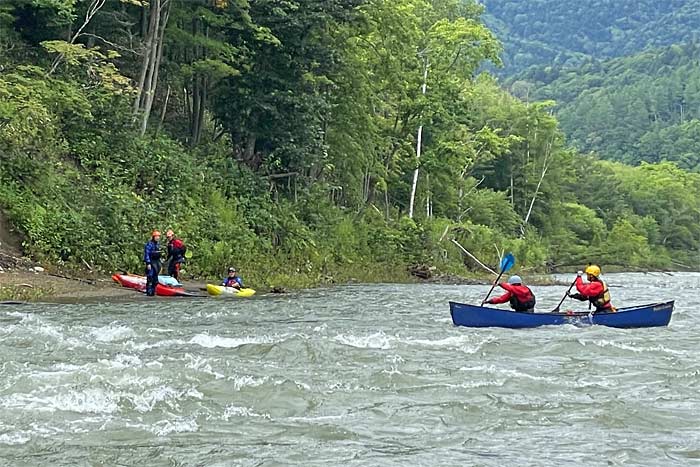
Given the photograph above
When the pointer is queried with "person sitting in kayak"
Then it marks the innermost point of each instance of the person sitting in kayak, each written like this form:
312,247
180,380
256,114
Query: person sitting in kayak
596,291
520,296
233,279
176,254
151,257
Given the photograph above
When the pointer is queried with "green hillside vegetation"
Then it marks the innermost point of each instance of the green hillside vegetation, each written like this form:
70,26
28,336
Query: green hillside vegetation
566,33
640,108
280,137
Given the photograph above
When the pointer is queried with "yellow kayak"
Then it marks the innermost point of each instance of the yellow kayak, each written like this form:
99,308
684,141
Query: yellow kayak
217,290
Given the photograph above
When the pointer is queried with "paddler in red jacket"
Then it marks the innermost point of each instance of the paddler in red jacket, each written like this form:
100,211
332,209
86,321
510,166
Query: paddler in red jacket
596,291
520,296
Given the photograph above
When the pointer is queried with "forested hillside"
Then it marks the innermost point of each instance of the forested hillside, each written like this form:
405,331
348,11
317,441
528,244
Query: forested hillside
565,33
303,141
640,108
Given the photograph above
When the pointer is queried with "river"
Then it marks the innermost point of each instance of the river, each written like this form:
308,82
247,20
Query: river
370,375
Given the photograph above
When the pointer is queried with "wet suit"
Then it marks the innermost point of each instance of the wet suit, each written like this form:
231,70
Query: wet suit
151,257
176,256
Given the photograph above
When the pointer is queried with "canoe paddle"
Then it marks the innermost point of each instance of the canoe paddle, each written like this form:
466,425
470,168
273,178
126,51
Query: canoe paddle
566,294
506,263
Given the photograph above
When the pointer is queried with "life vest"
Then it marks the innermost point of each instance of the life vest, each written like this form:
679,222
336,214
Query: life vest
601,301
177,249
526,303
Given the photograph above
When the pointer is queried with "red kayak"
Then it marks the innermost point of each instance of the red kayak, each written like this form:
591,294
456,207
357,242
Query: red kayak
132,281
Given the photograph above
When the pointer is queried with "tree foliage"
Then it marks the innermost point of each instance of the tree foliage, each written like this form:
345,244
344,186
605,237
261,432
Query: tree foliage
281,136
566,33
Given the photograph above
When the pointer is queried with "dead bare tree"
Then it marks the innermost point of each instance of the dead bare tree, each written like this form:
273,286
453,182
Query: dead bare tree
92,10
158,14
543,173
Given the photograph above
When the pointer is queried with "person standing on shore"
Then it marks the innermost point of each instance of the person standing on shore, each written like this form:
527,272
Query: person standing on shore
151,257
176,254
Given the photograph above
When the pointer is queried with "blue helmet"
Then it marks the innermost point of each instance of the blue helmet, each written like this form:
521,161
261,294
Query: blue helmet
515,280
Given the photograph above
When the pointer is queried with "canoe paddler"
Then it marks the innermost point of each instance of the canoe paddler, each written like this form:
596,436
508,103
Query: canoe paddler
518,294
233,279
596,292
151,257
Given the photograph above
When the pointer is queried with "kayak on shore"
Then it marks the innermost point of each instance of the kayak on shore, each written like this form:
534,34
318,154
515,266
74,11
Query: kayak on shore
642,316
220,290
167,286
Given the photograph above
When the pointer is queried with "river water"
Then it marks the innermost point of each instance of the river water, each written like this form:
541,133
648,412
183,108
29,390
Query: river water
355,375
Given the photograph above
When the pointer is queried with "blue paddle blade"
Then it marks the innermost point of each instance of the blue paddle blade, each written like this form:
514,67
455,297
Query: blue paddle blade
507,262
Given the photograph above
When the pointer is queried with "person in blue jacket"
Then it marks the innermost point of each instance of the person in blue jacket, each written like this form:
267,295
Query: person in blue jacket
233,279
151,257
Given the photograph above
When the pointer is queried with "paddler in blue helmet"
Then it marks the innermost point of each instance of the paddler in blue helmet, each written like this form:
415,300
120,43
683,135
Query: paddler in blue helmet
517,294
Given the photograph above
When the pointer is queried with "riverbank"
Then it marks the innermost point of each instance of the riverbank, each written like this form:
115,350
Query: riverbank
28,285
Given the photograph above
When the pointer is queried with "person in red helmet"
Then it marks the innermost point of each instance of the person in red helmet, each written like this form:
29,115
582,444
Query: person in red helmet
151,257
520,296
596,292
176,254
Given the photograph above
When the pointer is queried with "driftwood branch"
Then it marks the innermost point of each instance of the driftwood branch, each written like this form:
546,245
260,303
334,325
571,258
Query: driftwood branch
442,237
464,250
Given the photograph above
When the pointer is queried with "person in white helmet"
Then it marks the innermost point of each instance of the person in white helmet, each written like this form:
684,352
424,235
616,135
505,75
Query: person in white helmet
519,295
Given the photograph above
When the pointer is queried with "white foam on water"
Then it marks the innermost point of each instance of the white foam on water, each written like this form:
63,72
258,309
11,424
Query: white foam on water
202,364
146,401
631,347
464,343
378,340
113,333
506,373
122,361
141,346
157,330
15,438
237,411
179,425
46,330
130,380
239,382
86,401
21,315
67,367
210,342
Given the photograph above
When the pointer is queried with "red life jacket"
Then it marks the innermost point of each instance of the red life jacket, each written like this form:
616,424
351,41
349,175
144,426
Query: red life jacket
521,297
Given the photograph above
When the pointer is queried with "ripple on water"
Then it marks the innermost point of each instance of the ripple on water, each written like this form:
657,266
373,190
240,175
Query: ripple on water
359,375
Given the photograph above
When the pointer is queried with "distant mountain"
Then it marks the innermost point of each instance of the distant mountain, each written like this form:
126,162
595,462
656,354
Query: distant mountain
567,32
645,107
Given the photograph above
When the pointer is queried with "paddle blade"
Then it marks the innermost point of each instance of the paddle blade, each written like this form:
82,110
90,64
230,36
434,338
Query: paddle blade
507,262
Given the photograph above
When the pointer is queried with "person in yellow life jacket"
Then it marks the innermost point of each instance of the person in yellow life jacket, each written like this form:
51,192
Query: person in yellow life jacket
596,291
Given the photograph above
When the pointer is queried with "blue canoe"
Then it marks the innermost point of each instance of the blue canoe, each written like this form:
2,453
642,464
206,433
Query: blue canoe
643,316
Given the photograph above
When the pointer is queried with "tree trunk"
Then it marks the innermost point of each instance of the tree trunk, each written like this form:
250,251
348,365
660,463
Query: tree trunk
148,80
155,65
165,109
419,141
149,35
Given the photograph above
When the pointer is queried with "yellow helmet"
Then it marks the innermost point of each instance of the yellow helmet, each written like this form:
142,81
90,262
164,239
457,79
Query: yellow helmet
593,270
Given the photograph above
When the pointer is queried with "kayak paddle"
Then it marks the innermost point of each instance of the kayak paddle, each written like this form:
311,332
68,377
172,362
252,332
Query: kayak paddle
566,294
506,263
